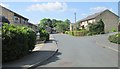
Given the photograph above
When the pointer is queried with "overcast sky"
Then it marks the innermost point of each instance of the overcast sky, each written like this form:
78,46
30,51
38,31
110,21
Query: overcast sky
35,11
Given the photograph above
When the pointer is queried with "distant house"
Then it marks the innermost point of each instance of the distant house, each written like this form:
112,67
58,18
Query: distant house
109,18
71,27
48,29
33,26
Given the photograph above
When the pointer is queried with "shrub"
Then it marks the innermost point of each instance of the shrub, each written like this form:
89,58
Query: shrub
96,28
44,35
17,41
113,30
114,38
78,33
66,32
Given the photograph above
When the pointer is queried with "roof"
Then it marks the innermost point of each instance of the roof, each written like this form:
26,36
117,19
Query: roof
32,24
95,15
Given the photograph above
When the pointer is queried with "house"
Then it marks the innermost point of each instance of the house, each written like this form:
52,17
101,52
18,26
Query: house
74,26
48,29
13,17
109,18
71,27
119,27
16,19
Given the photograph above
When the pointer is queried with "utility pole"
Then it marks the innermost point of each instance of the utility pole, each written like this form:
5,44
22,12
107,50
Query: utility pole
75,20
75,16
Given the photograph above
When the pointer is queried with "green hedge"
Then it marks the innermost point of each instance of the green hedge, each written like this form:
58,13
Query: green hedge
77,33
17,41
114,38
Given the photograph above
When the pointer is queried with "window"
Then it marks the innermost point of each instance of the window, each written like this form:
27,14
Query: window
16,19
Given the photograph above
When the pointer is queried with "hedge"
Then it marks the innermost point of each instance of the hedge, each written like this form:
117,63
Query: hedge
44,35
115,38
17,41
77,33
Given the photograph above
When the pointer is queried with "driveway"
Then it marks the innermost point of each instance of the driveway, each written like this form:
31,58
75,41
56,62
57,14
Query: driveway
87,51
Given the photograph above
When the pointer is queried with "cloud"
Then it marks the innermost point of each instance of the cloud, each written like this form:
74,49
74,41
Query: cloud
98,9
4,5
54,6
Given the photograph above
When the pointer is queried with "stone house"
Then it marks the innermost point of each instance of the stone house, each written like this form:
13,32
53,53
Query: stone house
16,19
13,17
109,18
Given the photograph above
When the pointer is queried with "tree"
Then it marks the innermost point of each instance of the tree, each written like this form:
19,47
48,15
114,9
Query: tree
60,26
45,22
63,26
97,28
54,22
67,24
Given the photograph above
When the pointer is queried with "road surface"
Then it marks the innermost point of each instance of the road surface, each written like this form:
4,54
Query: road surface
87,51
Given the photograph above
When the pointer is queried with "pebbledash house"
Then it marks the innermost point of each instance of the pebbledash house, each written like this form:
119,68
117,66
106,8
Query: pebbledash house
110,19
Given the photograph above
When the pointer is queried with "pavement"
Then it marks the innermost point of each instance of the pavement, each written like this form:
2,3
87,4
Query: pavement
87,51
41,53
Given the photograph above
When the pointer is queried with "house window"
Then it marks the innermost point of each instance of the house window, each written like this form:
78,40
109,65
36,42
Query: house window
16,19
25,21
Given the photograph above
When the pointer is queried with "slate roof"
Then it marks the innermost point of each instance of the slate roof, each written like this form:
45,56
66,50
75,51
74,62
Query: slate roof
94,15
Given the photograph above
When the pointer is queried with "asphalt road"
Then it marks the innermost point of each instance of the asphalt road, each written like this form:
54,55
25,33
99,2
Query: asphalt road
88,51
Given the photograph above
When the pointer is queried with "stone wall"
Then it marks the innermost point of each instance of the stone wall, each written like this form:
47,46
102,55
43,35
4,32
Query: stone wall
110,20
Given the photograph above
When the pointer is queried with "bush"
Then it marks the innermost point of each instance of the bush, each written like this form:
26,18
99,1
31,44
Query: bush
113,30
44,35
66,32
96,28
114,38
17,41
77,33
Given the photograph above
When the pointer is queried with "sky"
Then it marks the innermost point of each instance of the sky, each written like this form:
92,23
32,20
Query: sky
35,11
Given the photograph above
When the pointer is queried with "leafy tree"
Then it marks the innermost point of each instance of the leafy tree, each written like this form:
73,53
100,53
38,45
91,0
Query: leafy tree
54,22
96,28
62,26
58,24
45,22
67,23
